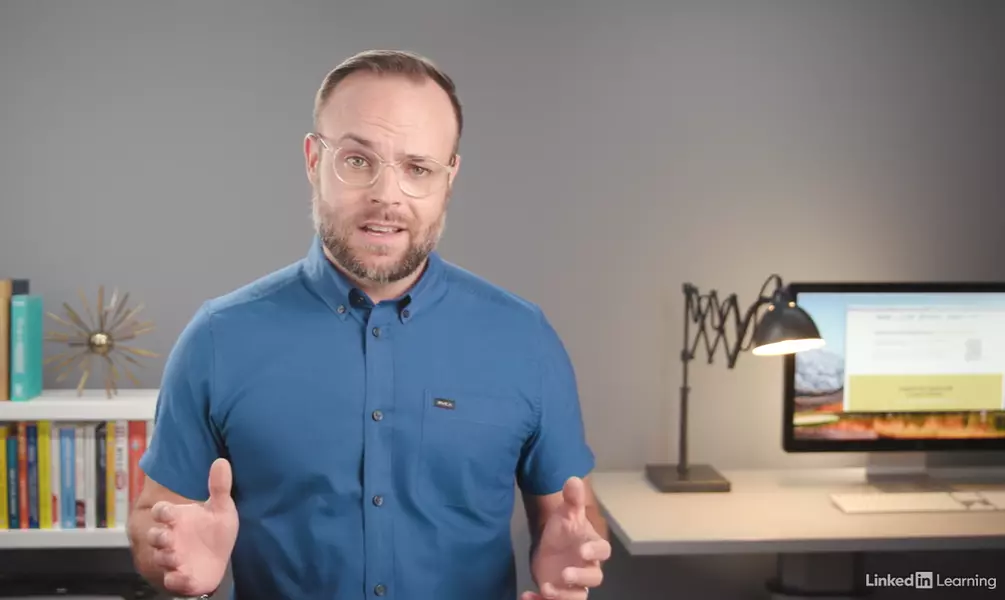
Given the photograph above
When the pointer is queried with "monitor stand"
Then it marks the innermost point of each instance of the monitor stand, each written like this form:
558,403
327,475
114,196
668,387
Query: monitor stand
901,472
921,472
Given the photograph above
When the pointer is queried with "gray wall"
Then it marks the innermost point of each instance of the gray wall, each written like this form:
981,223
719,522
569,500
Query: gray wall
610,154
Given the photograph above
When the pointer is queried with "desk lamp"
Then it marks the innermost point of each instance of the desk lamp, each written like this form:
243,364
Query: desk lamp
783,329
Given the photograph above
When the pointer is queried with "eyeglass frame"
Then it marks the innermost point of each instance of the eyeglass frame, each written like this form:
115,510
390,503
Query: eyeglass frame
381,162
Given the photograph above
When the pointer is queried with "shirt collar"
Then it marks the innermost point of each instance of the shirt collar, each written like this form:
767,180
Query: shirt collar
340,294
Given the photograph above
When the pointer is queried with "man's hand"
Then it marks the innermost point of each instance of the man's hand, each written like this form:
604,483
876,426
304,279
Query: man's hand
193,542
568,557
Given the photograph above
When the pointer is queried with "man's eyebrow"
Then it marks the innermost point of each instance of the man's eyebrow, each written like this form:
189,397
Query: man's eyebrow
356,138
369,144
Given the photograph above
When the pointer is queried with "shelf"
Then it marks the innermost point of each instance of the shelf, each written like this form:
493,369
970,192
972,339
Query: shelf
21,539
92,405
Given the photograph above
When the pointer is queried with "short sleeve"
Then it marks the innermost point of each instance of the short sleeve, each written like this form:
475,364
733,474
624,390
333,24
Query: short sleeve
558,449
185,441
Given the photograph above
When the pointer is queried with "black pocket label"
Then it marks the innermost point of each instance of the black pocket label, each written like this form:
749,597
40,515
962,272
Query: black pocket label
443,403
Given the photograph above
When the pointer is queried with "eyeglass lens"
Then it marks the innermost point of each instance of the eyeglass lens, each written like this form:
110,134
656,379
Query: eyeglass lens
358,167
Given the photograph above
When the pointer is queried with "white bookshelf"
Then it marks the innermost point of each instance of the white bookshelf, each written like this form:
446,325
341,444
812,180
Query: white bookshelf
92,405
24,539
66,405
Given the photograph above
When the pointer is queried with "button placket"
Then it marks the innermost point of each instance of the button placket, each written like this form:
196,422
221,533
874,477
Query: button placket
378,335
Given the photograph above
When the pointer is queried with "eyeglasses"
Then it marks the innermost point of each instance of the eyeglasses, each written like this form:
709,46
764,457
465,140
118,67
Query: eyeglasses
360,167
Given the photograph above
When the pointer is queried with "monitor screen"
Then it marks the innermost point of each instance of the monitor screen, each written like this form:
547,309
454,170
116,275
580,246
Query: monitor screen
904,367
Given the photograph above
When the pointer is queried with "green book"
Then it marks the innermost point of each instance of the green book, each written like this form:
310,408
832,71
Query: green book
26,339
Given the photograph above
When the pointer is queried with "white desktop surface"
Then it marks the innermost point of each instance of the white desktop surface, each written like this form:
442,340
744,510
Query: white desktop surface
780,511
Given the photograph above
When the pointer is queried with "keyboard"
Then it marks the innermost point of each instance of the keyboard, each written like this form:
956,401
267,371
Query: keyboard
911,502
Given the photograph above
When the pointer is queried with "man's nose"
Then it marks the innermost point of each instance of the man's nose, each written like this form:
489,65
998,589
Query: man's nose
386,188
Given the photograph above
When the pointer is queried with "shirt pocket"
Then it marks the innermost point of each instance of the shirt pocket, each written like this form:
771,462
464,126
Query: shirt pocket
470,447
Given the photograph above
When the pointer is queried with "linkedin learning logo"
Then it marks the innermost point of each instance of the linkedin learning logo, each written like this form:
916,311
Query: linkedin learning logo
926,580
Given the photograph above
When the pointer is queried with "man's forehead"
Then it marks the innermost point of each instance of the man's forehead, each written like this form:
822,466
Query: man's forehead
399,149
382,106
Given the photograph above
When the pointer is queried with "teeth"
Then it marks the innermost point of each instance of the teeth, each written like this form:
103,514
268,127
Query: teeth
378,229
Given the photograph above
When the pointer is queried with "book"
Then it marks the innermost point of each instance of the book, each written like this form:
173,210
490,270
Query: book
4,515
26,351
33,507
23,499
44,435
70,475
6,291
13,481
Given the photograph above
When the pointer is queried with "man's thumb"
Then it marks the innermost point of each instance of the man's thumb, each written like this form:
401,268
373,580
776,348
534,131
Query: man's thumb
574,493
220,479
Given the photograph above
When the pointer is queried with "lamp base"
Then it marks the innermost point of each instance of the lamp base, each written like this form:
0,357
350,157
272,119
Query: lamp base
697,478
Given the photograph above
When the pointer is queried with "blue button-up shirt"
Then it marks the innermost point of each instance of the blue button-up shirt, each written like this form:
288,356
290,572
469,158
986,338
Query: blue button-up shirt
375,448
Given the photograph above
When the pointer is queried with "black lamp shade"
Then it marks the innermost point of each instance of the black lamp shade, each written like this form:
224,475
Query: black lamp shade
785,328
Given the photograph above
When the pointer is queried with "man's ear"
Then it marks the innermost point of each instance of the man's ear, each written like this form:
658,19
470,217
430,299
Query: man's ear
312,156
456,162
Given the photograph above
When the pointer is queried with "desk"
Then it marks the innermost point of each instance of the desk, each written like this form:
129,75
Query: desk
787,512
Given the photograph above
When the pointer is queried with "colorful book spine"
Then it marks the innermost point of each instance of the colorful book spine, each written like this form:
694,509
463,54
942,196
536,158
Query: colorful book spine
24,512
137,447
26,352
90,476
4,514
122,503
13,488
101,474
34,514
6,292
109,477
68,472
80,477
55,476
44,474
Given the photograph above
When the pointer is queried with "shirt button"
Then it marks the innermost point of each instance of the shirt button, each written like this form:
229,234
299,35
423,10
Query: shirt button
405,313
377,415
378,500
340,309
379,589
376,332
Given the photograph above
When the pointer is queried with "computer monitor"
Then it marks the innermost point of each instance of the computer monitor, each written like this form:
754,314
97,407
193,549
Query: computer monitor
905,367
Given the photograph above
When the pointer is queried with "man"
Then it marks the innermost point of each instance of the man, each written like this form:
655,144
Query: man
352,426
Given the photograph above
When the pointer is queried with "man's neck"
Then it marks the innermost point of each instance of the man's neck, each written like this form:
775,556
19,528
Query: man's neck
380,292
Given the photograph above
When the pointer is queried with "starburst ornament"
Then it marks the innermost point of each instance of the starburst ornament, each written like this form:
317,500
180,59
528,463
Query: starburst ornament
100,338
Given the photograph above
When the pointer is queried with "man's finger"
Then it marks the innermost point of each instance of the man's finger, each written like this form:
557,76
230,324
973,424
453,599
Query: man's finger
551,592
159,537
166,559
595,550
164,512
580,577
179,583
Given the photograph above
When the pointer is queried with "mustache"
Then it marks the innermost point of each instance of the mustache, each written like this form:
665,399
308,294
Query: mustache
383,216
332,219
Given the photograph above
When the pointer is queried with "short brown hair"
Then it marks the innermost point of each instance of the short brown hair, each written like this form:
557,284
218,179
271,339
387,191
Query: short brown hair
392,62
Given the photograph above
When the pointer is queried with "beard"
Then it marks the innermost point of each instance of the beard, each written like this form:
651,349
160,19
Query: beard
336,228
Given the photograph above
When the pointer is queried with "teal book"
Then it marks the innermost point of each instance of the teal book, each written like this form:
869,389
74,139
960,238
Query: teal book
26,352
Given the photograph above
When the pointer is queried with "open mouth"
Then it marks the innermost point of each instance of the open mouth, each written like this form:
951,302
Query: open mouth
381,230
